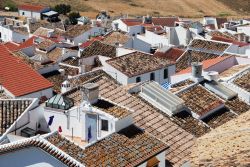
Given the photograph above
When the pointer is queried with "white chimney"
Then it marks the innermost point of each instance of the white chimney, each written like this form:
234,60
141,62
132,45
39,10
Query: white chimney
62,71
65,86
63,51
82,69
91,91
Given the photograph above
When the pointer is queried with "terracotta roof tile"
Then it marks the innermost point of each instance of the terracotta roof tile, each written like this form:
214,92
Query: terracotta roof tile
192,56
199,100
205,64
165,21
76,30
132,22
208,45
129,147
243,81
11,46
10,110
27,43
172,54
224,39
34,8
114,37
99,48
137,63
145,116
17,77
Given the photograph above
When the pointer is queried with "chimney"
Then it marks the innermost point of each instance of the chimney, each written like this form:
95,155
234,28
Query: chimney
197,71
65,86
82,69
226,25
240,37
62,72
91,91
116,25
246,38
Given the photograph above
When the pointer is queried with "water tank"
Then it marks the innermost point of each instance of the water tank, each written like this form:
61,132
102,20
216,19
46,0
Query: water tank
196,69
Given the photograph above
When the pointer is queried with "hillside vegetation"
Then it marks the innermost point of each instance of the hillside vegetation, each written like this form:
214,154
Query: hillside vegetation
184,8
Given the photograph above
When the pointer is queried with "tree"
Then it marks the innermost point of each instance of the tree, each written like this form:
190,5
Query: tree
62,9
73,17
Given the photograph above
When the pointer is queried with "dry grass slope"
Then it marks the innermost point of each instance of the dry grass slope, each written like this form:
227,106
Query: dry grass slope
185,8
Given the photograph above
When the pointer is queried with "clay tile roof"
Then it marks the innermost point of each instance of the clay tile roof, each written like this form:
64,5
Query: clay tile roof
13,108
199,100
226,145
99,48
224,39
165,21
172,54
45,44
145,116
34,8
243,81
114,37
209,45
137,63
118,149
192,56
11,46
76,30
205,64
112,109
88,43
132,22
41,31
28,43
19,78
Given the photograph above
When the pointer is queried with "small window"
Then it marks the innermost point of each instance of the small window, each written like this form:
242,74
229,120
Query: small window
23,13
138,79
104,125
165,73
152,76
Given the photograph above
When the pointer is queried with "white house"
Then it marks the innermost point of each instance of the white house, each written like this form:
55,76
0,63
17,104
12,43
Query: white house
131,26
213,23
78,34
18,80
138,67
71,112
14,34
32,11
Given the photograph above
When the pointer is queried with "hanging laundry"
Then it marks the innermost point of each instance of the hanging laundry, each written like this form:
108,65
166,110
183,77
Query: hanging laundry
89,133
60,129
50,120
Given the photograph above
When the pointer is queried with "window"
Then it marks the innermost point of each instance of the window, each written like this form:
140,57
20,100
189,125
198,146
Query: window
165,73
152,76
138,79
104,125
23,13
